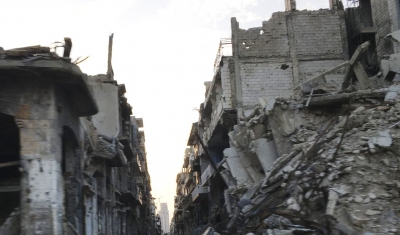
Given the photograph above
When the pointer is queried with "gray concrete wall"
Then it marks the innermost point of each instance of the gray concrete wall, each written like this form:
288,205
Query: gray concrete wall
226,83
383,24
106,120
286,50
35,112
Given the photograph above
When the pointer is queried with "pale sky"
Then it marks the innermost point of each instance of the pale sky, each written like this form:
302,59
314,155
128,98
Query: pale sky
163,51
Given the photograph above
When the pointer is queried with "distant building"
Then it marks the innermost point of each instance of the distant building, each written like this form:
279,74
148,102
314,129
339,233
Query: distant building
164,214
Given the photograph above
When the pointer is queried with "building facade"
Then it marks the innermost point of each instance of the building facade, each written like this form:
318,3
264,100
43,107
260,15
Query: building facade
294,60
73,158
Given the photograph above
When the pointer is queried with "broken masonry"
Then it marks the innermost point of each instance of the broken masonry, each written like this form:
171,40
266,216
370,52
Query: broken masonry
300,127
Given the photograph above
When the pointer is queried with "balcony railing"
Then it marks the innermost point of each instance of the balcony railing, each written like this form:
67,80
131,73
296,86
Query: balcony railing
139,197
224,45
200,192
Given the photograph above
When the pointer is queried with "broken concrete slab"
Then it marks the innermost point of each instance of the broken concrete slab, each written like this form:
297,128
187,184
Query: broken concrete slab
390,66
266,152
393,94
345,97
383,139
395,35
359,52
251,163
361,76
237,168
319,80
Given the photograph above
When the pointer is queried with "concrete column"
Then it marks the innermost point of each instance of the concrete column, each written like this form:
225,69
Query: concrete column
238,169
293,51
41,183
235,43
290,5
266,152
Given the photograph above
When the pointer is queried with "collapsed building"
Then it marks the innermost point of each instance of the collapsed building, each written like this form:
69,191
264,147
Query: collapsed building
73,158
299,130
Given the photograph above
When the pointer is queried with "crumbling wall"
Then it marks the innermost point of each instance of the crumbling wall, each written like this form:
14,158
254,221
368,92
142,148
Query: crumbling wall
318,34
106,95
311,69
286,50
382,23
264,79
270,40
226,83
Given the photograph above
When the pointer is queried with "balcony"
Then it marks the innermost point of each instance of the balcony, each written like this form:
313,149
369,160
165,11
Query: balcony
139,197
179,191
186,162
200,193
216,115
128,150
206,175
139,181
136,166
195,164
182,178
188,179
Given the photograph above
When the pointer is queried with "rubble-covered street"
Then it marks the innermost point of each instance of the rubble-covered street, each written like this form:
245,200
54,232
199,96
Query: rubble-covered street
297,130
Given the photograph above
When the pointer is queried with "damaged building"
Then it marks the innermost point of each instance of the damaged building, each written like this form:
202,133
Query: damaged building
73,158
299,132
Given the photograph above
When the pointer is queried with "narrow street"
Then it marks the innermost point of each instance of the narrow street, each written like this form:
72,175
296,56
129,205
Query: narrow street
295,131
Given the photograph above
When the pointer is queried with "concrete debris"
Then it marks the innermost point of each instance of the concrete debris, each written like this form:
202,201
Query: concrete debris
331,173
12,226
393,95
383,140
210,231
310,170
317,154
395,35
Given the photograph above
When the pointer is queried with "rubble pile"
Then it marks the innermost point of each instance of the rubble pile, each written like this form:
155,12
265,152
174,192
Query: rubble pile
341,177
308,144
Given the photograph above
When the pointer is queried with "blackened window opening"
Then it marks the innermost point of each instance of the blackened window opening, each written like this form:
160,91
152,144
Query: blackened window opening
10,174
